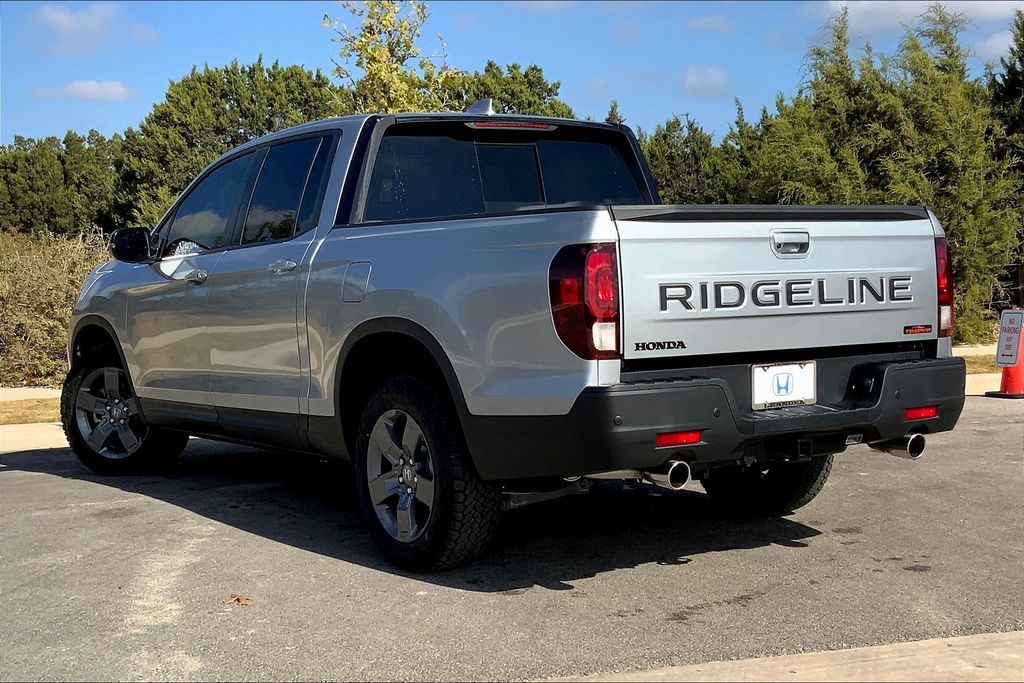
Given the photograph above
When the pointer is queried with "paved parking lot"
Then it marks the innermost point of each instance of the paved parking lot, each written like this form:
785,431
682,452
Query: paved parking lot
127,577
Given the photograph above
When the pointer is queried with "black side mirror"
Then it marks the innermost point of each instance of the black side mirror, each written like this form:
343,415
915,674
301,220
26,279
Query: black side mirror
130,245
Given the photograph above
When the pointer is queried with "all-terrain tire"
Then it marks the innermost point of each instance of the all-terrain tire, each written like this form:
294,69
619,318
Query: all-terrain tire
781,488
465,509
154,450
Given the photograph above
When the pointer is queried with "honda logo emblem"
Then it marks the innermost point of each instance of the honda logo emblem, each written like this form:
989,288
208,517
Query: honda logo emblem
782,384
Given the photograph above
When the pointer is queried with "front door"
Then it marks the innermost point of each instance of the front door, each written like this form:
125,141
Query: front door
166,322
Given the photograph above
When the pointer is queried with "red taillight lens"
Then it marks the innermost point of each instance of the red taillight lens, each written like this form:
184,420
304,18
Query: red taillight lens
602,283
584,286
670,439
944,286
921,413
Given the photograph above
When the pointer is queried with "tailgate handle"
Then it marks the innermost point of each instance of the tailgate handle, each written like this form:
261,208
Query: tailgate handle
790,243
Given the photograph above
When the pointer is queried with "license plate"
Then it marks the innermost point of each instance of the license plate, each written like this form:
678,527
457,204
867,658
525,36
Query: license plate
783,384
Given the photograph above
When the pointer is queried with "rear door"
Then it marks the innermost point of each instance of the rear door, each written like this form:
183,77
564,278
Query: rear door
254,292
699,280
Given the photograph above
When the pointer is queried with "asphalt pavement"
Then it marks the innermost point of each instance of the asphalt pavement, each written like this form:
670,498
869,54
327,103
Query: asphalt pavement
132,578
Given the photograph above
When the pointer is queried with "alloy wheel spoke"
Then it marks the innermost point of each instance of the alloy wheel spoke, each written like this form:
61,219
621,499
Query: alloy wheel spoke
98,437
405,515
111,383
128,439
89,403
383,487
411,437
425,490
131,405
384,438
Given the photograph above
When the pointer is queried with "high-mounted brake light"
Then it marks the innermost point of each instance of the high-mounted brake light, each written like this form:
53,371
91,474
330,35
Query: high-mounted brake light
921,413
512,125
944,286
672,439
584,286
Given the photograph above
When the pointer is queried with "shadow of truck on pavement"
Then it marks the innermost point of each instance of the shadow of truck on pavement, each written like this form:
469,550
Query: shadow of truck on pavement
310,504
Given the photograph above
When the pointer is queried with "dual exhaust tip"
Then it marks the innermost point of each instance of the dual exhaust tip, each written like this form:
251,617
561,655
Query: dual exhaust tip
910,446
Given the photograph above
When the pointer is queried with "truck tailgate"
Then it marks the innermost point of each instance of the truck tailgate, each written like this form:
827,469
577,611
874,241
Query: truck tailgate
710,280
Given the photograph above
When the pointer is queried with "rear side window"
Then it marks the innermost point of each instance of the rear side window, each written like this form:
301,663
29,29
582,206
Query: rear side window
433,170
417,176
313,196
589,172
202,219
274,208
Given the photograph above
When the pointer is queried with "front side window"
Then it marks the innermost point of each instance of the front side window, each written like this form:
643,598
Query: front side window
275,201
202,220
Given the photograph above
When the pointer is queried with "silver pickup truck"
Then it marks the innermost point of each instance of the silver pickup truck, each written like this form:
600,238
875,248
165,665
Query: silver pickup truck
481,311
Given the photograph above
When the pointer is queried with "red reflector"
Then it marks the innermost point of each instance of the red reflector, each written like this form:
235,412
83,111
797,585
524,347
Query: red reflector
677,439
512,125
922,413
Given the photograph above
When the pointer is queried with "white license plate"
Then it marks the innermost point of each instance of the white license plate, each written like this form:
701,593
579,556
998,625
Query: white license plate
783,384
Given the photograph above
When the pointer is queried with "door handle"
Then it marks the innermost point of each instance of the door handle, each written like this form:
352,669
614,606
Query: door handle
790,243
197,277
282,266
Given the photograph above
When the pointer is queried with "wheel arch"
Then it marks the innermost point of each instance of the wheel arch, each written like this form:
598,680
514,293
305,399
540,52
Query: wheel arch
418,352
91,333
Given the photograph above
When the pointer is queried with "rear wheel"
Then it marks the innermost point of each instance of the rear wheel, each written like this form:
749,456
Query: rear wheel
779,489
105,428
426,507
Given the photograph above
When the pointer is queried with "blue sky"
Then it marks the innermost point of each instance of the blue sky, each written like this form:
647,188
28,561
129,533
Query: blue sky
82,65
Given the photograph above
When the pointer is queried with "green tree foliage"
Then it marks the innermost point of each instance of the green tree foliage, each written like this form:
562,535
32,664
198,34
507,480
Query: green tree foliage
684,161
613,116
58,186
382,63
1006,84
205,114
514,90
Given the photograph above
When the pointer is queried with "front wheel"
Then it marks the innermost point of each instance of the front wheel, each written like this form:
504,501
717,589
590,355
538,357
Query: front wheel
426,507
779,489
105,428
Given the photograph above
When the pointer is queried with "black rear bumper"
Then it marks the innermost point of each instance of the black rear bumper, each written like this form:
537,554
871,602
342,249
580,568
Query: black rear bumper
612,428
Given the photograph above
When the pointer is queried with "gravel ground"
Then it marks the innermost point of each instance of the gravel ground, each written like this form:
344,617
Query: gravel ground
127,578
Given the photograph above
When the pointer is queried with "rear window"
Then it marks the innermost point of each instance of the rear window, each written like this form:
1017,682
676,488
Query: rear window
425,171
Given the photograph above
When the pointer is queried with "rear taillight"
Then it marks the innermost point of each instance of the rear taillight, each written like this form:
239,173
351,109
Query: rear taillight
944,286
584,285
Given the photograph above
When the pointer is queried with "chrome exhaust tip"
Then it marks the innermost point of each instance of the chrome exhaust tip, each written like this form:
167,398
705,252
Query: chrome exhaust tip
673,475
910,446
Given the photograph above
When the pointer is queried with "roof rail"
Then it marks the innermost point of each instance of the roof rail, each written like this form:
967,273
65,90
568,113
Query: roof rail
484,106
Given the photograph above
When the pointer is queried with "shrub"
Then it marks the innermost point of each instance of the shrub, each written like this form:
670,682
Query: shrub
40,276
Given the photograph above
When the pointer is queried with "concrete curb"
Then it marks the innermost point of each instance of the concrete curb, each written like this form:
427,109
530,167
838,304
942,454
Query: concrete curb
975,350
27,393
984,657
978,384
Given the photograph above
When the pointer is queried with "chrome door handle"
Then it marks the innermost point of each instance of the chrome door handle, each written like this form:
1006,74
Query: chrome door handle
197,277
282,266
790,243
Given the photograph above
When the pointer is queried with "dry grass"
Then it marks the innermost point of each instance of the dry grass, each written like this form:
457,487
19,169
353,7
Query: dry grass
40,276
980,364
29,411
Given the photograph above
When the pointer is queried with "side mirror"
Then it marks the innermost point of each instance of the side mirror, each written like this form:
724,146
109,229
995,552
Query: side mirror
130,245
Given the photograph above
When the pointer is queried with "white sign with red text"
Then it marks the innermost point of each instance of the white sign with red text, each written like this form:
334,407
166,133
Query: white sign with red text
1007,349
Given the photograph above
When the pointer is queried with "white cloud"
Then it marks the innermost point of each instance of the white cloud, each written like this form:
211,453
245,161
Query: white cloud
710,23
995,46
628,33
91,90
84,31
879,17
546,5
705,81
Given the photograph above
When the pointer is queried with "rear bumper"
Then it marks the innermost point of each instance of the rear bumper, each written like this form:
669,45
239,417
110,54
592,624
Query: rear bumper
612,428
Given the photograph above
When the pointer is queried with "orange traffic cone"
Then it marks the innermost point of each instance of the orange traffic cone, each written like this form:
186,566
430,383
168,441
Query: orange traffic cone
1012,383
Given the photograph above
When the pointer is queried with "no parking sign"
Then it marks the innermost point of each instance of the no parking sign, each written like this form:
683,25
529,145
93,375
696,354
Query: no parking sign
1007,349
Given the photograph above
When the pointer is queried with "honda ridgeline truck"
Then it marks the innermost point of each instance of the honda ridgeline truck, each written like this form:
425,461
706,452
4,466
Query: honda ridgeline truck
482,310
